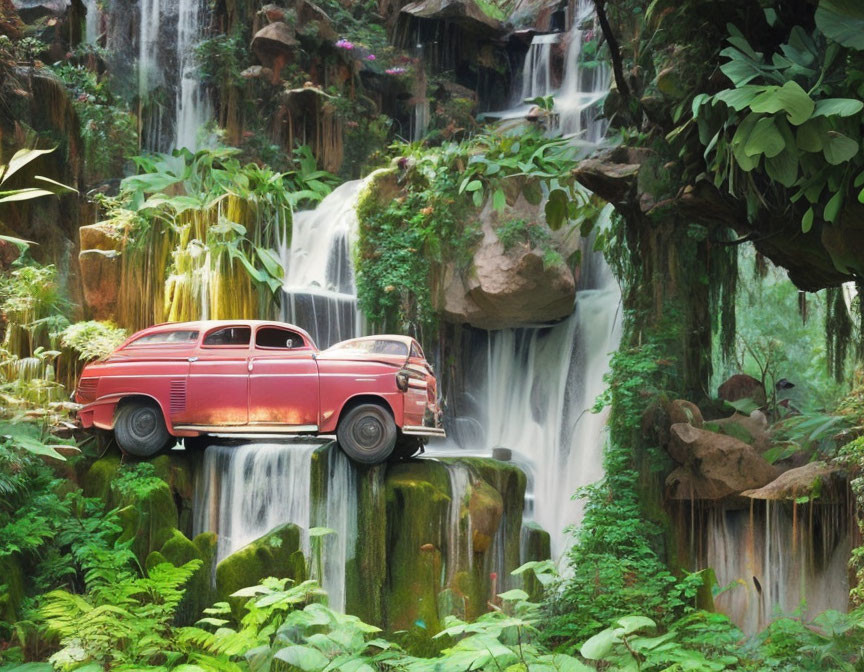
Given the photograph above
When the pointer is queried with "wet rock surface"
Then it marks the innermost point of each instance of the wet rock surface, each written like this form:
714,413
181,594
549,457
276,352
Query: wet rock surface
713,465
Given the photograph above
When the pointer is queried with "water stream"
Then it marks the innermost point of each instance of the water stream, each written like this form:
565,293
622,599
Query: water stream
169,84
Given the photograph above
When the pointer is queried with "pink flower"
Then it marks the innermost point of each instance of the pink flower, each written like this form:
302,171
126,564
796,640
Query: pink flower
396,71
370,57
344,44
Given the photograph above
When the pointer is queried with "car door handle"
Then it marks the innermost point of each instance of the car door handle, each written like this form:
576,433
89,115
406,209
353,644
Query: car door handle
249,366
191,359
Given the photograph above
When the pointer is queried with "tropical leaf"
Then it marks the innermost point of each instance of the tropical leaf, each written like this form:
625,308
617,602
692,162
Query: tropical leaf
842,21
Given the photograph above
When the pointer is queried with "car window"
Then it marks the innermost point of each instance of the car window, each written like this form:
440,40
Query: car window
416,351
274,337
179,337
374,346
238,336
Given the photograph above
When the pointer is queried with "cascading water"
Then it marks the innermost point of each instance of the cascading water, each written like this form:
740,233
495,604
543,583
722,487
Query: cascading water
582,86
537,69
244,492
318,291
92,21
169,85
541,385
776,558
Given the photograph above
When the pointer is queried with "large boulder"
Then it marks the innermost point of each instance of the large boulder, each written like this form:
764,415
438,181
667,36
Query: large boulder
812,481
713,466
505,288
100,264
467,14
752,429
275,554
741,386
485,508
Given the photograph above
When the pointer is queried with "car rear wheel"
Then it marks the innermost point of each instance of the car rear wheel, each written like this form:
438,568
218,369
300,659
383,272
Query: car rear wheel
140,428
367,434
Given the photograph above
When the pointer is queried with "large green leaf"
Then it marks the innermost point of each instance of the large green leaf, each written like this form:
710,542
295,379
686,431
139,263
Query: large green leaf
839,148
739,98
20,159
811,135
23,194
837,107
789,98
842,21
600,645
304,657
765,139
556,209
739,69
739,142
783,168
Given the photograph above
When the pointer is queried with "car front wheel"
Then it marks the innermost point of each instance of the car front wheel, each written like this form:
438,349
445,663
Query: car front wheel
367,434
140,428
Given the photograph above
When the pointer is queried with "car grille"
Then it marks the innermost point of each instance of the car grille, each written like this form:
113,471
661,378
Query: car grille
87,390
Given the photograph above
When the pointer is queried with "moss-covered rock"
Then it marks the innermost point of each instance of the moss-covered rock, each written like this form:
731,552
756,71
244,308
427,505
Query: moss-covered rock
485,507
277,554
417,496
148,515
536,545
96,481
177,469
366,572
200,591
12,592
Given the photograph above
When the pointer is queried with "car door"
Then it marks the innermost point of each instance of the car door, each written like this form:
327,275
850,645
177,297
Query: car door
217,389
283,380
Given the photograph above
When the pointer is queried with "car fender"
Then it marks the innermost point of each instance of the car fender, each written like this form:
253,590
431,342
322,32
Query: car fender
100,413
393,400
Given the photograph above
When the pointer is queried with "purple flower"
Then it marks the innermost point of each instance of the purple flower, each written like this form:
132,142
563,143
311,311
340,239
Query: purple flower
396,71
344,44
370,57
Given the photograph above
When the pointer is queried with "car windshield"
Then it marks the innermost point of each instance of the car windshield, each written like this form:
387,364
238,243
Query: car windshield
373,346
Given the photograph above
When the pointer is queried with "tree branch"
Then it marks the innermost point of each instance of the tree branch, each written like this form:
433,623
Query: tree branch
614,49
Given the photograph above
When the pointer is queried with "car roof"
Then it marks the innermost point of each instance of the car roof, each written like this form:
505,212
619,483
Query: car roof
207,325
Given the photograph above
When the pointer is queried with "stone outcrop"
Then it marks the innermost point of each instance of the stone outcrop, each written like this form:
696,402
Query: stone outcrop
713,466
465,13
816,480
751,429
741,386
505,288
100,265
275,554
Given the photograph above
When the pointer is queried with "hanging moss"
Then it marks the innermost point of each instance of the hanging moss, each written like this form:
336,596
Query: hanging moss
838,331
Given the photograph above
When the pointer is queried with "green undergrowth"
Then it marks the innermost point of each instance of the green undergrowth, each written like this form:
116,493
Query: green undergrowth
425,213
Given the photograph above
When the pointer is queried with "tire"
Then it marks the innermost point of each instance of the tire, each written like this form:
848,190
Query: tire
408,446
140,430
367,434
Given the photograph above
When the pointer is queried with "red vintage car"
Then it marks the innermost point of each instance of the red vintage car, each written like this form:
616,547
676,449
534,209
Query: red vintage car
376,394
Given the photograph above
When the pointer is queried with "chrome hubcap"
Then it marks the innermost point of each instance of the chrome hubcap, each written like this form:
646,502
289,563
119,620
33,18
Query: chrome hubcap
143,422
368,432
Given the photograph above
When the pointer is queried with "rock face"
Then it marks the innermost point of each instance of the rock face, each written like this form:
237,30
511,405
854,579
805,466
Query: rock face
99,261
275,554
505,288
713,465
466,13
813,480
741,386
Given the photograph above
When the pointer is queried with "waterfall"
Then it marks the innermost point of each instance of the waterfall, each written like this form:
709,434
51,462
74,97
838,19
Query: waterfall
243,492
192,106
92,22
776,558
318,290
581,89
246,491
460,551
541,385
169,85
537,69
